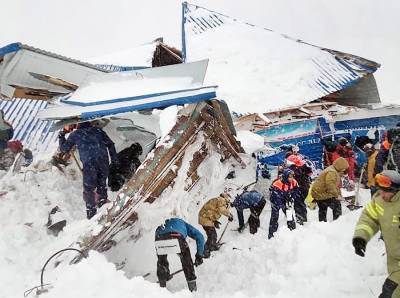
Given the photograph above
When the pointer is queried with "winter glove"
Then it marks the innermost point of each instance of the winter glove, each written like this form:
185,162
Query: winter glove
62,134
198,261
217,224
230,217
359,246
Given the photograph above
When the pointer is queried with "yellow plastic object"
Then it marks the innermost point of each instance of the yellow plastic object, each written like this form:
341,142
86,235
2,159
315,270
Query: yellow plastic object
310,200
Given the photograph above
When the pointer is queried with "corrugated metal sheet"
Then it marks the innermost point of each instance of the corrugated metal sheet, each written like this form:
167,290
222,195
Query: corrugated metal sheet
21,60
15,47
328,70
34,133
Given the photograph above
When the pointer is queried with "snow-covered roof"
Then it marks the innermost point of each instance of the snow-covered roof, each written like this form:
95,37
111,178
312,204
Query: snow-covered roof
260,70
15,47
140,56
115,93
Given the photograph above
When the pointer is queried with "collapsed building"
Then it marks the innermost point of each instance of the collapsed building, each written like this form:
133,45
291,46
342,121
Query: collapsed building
288,91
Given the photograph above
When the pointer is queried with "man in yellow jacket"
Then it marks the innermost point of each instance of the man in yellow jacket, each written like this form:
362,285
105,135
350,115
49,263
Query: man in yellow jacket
383,213
371,154
326,189
208,219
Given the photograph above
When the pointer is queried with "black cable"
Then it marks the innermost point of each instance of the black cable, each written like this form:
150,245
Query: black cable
40,289
48,260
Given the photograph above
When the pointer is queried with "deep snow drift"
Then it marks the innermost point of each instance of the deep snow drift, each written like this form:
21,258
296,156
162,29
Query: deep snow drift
316,260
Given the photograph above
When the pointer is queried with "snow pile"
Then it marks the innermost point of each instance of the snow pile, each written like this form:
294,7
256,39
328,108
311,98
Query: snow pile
316,260
250,141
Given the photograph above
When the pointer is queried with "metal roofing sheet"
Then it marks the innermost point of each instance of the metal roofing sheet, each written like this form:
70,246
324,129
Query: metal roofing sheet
14,47
33,132
279,71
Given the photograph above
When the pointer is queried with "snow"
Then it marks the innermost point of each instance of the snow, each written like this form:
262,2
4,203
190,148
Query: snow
155,81
168,118
257,69
141,55
250,141
315,260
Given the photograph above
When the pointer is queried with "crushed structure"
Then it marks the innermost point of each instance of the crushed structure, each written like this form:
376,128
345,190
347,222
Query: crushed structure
208,123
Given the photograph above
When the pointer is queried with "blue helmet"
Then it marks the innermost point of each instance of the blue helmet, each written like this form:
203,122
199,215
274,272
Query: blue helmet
285,175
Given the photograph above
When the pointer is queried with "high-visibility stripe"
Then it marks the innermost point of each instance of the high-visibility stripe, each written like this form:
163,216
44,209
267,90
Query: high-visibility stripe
371,211
366,228
379,209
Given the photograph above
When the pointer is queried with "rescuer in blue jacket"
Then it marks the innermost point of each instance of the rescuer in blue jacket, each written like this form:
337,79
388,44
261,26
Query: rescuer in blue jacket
176,228
94,148
254,201
283,192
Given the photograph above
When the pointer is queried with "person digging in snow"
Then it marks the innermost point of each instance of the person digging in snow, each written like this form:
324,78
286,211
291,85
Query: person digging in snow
326,189
171,238
302,172
209,214
254,201
125,166
283,191
382,213
94,148
6,132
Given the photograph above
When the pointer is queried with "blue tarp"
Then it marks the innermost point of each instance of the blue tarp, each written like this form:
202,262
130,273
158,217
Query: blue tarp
311,144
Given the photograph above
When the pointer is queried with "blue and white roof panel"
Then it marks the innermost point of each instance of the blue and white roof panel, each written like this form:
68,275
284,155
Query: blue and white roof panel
152,88
260,70
34,133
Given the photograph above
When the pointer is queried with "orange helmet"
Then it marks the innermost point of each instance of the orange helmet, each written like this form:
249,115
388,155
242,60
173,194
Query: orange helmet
296,160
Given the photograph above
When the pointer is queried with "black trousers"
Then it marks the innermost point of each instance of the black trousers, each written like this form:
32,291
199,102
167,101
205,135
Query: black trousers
332,203
211,243
254,219
163,273
300,207
273,222
388,288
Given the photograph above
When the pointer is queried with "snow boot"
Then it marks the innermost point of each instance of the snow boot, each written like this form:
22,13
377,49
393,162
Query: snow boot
91,212
163,283
102,202
192,285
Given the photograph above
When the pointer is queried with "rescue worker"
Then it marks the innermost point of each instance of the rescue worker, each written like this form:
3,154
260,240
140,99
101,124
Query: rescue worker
283,191
382,159
302,174
254,201
371,154
344,149
176,228
6,132
209,214
126,164
382,213
326,190
94,148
